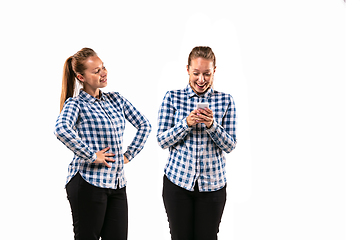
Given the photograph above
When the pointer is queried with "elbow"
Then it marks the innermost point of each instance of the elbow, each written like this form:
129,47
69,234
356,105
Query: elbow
162,146
60,130
57,131
161,142
148,128
144,129
230,148
148,125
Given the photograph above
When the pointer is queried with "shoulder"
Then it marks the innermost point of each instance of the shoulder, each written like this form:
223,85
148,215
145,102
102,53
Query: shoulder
118,99
179,93
114,96
71,106
173,96
222,95
72,102
223,98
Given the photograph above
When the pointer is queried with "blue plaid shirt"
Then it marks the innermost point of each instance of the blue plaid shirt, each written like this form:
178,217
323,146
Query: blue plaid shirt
87,125
196,153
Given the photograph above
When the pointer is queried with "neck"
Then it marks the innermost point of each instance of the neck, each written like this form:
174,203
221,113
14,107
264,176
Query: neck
93,92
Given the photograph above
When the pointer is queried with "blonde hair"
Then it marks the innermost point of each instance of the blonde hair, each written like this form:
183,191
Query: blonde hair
73,65
203,52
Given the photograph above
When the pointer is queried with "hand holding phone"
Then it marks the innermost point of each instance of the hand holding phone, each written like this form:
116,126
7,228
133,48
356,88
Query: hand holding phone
202,114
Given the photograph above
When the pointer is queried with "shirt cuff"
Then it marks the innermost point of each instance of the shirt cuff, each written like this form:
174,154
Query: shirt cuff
93,158
185,125
212,129
128,156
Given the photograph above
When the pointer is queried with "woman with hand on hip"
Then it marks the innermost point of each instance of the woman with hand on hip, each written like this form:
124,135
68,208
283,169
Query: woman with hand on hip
92,125
194,188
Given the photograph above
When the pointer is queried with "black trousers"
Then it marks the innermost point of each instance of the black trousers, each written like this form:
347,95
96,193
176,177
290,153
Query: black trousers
193,215
97,212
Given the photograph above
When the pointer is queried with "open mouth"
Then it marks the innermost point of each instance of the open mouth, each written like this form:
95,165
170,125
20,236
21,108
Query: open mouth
103,80
201,86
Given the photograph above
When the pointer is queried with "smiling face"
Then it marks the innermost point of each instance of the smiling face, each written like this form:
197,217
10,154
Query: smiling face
201,74
94,77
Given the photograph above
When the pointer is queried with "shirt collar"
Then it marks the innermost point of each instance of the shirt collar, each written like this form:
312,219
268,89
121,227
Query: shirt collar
191,92
87,97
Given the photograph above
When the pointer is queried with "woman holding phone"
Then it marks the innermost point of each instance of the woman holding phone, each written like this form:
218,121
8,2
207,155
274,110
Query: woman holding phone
194,187
91,125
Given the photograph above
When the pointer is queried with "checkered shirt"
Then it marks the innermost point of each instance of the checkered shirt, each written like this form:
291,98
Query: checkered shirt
87,125
196,153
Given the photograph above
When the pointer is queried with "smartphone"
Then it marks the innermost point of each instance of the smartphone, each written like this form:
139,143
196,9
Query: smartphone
202,105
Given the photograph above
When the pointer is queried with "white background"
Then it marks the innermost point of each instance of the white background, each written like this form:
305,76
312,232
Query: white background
284,62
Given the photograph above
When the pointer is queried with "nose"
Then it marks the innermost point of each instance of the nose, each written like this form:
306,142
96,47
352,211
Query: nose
201,78
103,72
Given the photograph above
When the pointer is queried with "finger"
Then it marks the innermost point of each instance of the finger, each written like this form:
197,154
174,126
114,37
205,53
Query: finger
195,111
109,159
107,165
109,154
203,116
193,117
203,112
204,119
106,149
207,111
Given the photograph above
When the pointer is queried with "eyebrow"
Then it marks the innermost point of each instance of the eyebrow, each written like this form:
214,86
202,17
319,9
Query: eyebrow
102,64
208,70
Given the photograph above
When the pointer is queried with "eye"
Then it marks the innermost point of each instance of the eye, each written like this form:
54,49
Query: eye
196,74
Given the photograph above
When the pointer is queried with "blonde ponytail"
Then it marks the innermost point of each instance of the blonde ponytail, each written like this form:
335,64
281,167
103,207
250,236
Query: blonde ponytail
68,82
73,65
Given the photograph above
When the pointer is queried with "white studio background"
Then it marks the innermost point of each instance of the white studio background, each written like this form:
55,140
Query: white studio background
282,61
352,120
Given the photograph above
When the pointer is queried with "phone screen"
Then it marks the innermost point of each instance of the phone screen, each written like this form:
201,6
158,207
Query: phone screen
202,105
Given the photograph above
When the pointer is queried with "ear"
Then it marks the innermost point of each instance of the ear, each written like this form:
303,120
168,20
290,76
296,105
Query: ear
214,69
187,69
80,77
